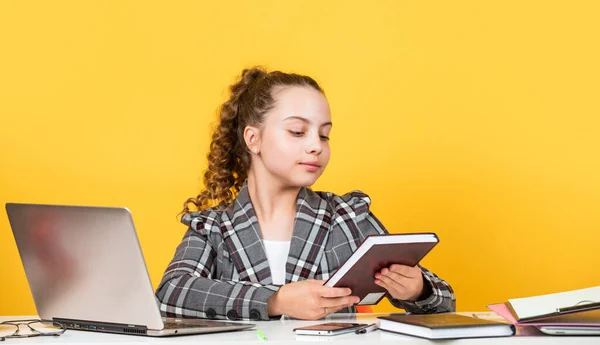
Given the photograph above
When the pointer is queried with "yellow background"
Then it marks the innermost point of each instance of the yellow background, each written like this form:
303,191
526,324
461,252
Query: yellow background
478,120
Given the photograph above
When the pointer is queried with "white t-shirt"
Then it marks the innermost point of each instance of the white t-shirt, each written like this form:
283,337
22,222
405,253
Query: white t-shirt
277,253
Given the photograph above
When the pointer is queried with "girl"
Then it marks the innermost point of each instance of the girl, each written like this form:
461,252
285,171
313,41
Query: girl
261,242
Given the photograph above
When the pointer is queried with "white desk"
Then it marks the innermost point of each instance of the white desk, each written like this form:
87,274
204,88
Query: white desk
280,332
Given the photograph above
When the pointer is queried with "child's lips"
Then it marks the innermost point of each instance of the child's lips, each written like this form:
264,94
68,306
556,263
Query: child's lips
314,164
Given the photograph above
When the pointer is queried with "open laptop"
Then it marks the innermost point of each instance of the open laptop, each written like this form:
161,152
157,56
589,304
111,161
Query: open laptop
86,270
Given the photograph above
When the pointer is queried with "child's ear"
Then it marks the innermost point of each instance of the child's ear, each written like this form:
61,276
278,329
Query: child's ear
252,138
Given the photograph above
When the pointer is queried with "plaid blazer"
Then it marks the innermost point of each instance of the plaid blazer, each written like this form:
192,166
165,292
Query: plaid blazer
220,269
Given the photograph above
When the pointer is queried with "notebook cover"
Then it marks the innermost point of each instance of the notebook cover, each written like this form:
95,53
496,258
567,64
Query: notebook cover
590,318
361,276
438,321
555,304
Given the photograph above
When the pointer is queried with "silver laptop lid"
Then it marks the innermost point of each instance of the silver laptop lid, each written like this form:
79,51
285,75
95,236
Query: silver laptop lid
84,263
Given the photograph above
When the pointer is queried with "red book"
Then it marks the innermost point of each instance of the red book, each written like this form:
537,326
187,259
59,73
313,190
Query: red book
375,253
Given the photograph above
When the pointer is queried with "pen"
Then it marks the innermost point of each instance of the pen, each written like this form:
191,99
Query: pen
260,335
368,328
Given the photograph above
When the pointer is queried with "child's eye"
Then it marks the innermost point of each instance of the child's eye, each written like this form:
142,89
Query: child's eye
297,134
324,137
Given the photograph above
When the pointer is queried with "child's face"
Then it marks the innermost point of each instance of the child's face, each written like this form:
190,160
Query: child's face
294,142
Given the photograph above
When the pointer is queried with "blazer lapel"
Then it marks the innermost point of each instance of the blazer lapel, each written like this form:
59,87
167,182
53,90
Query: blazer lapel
311,230
243,239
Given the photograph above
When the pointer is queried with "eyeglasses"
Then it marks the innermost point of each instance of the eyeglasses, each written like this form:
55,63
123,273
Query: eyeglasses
35,328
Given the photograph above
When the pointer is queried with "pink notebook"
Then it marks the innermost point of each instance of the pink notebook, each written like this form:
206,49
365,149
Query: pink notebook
589,318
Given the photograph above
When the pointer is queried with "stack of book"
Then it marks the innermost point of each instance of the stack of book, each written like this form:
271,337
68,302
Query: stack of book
574,312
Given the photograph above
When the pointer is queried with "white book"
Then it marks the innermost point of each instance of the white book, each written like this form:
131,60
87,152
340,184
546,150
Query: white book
556,303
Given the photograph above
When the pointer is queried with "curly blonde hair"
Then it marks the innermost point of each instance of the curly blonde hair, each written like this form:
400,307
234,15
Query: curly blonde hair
229,158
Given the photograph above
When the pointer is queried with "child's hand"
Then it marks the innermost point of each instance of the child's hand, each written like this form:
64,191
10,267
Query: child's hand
402,282
309,300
